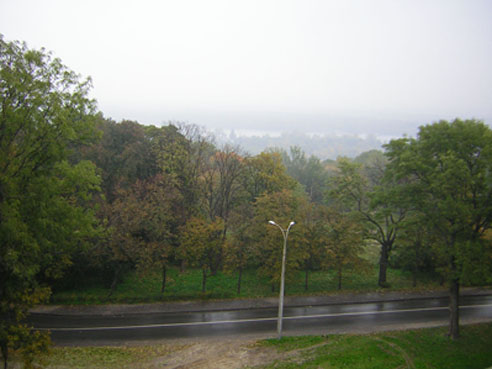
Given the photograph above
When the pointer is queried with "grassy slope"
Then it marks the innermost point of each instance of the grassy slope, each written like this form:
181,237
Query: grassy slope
187,286
424,348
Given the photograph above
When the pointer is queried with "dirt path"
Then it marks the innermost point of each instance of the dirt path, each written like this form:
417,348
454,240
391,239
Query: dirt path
218,354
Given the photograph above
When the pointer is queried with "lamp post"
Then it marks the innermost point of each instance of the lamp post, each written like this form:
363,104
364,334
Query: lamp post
285,233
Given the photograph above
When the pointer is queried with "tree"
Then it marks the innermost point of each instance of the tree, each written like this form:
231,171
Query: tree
344,243
123,155
201,241
307,171
312,230
377,202
223,190
44,197
448,168
160,205
282,207
142,227
238,249
414,251
265,173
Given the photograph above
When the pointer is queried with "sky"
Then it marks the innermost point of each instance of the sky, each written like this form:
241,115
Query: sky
379,67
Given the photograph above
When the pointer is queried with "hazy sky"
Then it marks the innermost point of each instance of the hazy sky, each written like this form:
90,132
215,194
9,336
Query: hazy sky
368,66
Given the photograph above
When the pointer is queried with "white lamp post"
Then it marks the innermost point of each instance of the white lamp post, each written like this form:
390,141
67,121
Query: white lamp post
285,233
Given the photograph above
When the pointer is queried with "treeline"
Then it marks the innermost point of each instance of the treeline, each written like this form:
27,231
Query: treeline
81,194
169,196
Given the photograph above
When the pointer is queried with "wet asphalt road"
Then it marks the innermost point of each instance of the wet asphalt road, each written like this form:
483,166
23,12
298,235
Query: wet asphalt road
120,328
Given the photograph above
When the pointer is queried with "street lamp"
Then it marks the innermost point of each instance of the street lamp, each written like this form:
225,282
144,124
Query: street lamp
285,233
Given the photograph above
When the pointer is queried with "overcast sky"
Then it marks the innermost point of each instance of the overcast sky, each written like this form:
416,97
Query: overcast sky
380,67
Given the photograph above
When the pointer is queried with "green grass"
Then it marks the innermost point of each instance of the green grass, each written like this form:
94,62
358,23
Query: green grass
107,357
420,349
137,288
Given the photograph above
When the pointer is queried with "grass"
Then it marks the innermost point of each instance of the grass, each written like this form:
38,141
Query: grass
428,348
137,288
420,349
107,357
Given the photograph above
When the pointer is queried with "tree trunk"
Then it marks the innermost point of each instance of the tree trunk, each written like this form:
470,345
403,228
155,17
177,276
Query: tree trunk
239,278
5,354
306,280
116,278
454,313
414,276
204,280
383,266
164,274
340,278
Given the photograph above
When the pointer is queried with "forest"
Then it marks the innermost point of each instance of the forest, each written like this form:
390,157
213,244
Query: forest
81,194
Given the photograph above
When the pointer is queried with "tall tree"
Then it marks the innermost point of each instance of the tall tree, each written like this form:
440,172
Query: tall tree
223,190
377,202
265,173
123,155
449,172
344,243
282,207
44,214
200,242
313,241
309,172
142,227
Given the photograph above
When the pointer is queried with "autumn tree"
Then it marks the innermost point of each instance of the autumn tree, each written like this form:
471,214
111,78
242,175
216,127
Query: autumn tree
344,243
200,242
282,207
181,152
142,227
44,214
223,190
448,172
311,227
265,173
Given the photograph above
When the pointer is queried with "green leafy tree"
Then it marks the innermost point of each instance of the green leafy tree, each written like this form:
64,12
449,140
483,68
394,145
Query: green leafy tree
44,197
414,250
448,169
123,155
377,202
182,153
309,172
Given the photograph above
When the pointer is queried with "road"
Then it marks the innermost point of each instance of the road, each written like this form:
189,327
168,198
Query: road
101,329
